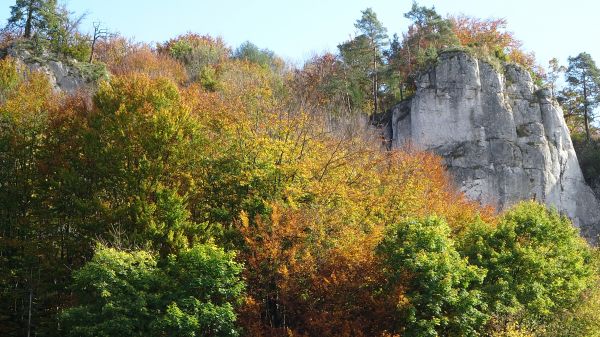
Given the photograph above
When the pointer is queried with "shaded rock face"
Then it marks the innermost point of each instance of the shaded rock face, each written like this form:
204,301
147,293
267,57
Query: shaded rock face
502,139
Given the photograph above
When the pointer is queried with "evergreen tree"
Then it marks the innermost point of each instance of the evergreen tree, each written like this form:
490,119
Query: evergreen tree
427,35
377,37
356,66
32,15
363,58
583,80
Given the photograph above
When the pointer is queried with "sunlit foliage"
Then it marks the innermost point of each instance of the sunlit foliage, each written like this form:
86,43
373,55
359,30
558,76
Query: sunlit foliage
200,191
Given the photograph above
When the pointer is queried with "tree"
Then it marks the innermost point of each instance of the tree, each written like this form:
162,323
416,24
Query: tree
429,29
320,87
441,287
363,60
427,35
64,37
376,35
142,137
32,15
50,25
100,33
489,39
201,56
583,80
554,71
248,51
358,82
25,255
536,263
135,294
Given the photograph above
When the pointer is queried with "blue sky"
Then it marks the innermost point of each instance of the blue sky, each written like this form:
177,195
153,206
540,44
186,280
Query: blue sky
297,29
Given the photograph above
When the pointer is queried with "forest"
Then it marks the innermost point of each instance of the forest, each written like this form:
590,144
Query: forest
196,189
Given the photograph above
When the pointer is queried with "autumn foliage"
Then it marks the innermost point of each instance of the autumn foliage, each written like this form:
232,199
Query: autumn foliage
125,57
490,36
194,192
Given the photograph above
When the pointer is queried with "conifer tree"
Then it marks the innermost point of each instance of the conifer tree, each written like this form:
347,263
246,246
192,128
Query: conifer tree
363,58
32,15
583,80
377,38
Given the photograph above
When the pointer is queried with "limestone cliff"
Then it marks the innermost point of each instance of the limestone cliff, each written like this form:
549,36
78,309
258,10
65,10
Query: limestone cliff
502,138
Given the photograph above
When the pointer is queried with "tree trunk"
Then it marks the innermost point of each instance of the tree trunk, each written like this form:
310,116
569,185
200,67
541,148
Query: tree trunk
29,315
346,93
586,120
92,50
375,107
401,92
29,20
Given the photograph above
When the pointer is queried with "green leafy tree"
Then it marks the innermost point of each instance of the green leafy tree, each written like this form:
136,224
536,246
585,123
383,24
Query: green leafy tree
125,170
537,263
441,297
133,294
248,51
583,80
64,36
582,320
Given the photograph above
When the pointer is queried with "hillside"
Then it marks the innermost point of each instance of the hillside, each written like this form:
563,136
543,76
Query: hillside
190,188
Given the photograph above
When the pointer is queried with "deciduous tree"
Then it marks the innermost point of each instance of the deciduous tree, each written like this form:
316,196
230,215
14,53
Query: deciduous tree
134,294
440,287
554,71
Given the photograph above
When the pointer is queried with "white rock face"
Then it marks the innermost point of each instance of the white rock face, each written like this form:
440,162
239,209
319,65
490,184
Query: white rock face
502,138
61,76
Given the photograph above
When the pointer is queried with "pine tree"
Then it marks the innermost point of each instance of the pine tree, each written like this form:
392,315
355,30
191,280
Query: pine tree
583,80
32,15
377,38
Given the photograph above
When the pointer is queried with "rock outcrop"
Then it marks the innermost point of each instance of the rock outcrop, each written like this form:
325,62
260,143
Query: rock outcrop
64,74
502,138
